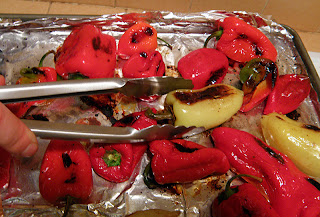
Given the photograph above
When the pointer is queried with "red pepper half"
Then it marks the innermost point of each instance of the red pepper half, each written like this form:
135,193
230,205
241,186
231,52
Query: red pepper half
242,42
33,75
242,200
204,66
141,37
288,189
289,92
116,162
145,64
65,171
5,162
181,161
87,51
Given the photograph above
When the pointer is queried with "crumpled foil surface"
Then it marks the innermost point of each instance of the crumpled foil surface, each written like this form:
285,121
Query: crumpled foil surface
22,44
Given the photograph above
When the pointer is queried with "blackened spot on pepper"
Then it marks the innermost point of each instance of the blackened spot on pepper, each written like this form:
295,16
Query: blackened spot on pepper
215,75
144,54
246,211
311,127
134,38
66,160
242,36
213,92
96,43
314,183
184,149
127,120
72,179
294,115
148,31
270,151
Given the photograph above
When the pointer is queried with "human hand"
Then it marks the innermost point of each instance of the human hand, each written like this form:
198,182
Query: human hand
15,136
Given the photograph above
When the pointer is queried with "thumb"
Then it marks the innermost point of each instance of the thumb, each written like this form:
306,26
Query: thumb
15,136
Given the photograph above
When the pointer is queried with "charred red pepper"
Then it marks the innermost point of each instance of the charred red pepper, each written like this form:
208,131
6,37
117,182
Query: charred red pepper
5,162
87,51
181,161
116,162
289,92
242,200
242,42
258,77
283,183
145,64
33,75
65,172
204,66
141,37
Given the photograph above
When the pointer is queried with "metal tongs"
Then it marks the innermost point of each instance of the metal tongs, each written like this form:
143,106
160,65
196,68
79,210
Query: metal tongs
137,87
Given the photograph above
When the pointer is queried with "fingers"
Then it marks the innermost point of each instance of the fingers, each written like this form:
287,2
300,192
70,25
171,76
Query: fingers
15,136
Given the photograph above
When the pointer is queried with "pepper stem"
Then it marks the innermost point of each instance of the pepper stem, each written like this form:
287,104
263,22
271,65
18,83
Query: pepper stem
44,56
167,44
69,201
216,34
229,191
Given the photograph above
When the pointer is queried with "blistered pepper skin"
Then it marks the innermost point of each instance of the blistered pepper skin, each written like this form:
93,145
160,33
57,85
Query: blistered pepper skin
299,141
87,51
243,42
204,66
141,37
289,92
248,201
142,65
283,182
207,107
170,164
65,171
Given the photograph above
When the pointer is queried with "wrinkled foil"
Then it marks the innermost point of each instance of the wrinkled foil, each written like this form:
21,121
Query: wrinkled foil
22,44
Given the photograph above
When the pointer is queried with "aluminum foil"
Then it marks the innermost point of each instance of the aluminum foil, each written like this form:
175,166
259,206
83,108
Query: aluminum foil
22,44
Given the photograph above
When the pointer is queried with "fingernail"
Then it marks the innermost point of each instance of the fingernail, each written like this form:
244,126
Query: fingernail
30,150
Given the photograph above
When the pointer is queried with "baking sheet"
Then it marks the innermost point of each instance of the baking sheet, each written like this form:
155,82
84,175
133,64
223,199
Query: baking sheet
23,43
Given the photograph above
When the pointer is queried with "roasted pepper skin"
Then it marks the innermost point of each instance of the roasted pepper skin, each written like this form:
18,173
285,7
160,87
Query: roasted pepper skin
5,162
130,153
283,183
258,76
65,171
32,75
242,42
289,92
247,201
87,51
141,37
119,173
142,65
204,66
181,161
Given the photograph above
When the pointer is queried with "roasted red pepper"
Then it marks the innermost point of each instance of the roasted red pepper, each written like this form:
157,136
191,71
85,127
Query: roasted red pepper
87,51
242,42
145,64
242,200
5,162
289,92
141,37
204,66
116,162
258,77
181,161
33,75
290,191
65,172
